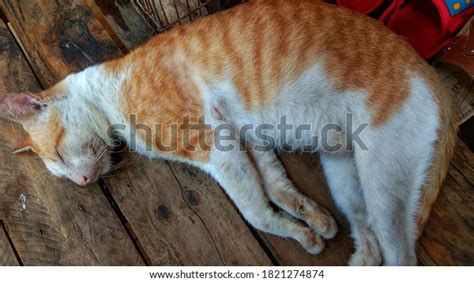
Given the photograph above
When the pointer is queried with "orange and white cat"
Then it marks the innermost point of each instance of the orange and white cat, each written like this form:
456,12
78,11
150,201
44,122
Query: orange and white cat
263,62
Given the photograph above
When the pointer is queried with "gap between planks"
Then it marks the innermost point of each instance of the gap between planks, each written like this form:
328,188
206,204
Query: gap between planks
3,228
123,220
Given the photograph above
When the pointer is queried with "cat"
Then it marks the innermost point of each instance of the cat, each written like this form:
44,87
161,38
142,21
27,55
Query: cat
263,62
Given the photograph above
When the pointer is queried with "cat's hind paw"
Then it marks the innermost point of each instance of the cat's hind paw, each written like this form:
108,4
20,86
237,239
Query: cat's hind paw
365,259
368,253
312,242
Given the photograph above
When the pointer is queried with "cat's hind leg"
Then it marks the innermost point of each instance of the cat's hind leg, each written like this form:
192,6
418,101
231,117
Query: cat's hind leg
342,178
284,194
388,176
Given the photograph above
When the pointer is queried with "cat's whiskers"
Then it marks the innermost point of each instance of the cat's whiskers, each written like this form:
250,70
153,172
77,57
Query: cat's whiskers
108,175
98,156
121,164
45,176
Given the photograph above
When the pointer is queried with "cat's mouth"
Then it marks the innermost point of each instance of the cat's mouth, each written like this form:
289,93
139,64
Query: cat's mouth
87,176
101,167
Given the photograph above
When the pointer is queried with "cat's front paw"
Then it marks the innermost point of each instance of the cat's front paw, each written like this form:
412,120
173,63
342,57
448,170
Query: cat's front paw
323,224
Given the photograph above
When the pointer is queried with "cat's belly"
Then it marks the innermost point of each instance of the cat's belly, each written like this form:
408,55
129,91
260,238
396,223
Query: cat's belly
307,114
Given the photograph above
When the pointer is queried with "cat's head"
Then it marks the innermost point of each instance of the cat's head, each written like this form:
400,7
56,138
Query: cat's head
65,140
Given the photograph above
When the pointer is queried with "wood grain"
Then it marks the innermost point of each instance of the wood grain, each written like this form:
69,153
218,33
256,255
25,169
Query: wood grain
62,223
122,21
182,217
168,229
60,36
448,238
209,202
7,254
154,205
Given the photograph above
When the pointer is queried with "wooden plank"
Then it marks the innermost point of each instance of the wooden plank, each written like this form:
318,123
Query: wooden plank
60,223
168,229
182,216
66,36
153,203
122,21
209,202
7,255
449,235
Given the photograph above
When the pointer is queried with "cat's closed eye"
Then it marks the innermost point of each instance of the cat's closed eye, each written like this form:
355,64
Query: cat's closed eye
60,156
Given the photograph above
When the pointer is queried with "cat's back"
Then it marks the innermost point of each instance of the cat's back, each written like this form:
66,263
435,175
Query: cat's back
264,45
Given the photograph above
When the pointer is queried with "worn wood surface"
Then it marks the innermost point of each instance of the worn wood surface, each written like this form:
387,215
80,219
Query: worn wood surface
182,216
184,237
62,224
123,23
163,213
7,254
449,235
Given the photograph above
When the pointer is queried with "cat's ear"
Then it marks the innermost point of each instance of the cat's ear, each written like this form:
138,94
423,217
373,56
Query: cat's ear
24,146
20,107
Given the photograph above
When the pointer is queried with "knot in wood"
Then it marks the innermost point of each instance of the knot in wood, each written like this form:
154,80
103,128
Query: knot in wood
192,197
162,212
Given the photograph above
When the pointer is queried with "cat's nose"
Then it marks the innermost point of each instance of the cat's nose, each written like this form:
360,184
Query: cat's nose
84,181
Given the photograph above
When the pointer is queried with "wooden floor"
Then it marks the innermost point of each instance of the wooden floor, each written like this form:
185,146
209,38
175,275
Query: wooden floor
155,212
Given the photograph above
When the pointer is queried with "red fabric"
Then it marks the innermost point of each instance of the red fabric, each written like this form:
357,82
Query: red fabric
426,24
362,6
393,6
420,24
